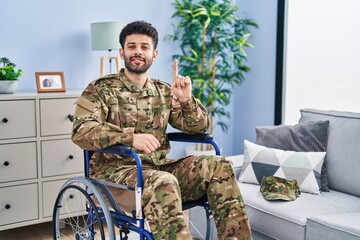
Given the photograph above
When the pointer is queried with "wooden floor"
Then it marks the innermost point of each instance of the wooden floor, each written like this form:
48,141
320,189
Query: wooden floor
41,231
33,232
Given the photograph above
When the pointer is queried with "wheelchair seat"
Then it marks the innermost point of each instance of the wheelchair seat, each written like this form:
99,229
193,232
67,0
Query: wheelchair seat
89,208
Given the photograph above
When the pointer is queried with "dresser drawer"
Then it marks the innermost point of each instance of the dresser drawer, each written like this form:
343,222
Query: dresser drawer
51,190
12,116
18,161
61,157
18,204
54,116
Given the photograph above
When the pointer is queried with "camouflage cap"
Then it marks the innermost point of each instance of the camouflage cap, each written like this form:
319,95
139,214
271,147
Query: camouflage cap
276,188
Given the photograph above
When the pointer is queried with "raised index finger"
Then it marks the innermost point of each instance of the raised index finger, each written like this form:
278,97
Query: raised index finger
175,69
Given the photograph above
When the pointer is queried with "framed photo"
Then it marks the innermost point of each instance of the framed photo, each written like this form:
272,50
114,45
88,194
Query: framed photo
50,82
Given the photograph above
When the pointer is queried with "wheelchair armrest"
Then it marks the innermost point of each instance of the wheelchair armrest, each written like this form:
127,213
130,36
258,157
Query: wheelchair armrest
116,149
195,138
175,136
185,137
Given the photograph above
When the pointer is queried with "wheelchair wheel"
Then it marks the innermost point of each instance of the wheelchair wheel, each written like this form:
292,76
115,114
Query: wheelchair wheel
81,213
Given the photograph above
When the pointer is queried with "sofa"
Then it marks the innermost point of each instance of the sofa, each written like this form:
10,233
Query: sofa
333,212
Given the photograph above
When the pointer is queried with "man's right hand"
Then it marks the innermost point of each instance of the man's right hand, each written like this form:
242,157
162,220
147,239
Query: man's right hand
145,142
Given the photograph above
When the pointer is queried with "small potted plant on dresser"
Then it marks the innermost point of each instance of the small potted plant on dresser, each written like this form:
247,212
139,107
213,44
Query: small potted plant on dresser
9,76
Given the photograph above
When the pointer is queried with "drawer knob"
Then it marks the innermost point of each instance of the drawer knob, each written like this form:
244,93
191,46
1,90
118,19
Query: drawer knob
5,120
71,157
6,163
7,206
70,117
71,196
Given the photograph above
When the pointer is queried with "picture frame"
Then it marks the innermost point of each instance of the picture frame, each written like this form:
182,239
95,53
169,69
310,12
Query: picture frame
50,82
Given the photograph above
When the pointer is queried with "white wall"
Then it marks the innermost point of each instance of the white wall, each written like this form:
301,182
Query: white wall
322,56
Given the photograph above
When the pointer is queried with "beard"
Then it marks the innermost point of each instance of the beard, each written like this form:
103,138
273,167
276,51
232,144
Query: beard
137,68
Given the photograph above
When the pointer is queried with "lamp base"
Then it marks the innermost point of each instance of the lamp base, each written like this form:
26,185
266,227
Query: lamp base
108,59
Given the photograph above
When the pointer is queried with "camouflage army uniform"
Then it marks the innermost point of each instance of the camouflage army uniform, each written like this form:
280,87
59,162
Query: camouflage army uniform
112,109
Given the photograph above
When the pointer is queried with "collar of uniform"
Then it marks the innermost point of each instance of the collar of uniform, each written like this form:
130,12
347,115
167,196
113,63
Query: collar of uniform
149,88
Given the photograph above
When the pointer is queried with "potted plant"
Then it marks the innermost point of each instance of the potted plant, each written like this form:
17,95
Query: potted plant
212,39
8,76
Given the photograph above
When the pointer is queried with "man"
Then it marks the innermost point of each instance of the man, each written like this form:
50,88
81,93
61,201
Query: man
133,109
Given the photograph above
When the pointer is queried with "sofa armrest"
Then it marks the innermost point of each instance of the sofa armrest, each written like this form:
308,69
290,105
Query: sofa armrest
237,161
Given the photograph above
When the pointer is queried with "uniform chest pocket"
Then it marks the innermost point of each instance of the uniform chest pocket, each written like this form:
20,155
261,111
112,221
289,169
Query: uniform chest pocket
127,113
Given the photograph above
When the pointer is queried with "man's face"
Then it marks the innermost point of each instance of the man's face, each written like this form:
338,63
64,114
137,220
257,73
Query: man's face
138,53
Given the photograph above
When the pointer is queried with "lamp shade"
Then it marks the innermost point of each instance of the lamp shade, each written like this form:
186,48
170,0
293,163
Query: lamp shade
105,35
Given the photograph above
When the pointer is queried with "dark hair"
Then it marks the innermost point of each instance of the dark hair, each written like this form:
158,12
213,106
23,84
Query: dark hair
139,27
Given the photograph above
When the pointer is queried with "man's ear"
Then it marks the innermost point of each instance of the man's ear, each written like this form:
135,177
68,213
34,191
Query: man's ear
121,52
155,54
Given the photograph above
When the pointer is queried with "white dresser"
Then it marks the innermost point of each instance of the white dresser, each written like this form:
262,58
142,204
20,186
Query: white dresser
36,155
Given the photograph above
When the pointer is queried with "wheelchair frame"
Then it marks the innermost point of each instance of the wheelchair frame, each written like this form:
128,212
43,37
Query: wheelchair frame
98,198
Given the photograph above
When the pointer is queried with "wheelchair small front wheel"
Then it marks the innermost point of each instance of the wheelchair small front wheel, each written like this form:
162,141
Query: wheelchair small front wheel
77,215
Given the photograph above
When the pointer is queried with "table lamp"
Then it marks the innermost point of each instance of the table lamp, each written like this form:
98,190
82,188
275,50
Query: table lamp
105,36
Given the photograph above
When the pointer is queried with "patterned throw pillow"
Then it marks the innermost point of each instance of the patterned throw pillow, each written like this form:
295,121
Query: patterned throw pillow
303,137
260,161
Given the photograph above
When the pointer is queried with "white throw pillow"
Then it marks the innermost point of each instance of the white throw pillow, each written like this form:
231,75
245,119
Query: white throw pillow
261,161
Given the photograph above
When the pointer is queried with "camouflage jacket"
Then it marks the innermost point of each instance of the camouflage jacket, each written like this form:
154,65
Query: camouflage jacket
111,109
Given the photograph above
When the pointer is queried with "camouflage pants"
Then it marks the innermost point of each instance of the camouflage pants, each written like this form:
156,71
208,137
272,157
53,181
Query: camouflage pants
188,179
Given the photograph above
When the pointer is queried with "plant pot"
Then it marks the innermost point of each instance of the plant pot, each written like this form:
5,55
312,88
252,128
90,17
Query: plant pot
8,86
190,150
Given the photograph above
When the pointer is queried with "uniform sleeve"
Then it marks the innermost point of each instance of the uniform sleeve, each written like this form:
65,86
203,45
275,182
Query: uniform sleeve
91,130
189,117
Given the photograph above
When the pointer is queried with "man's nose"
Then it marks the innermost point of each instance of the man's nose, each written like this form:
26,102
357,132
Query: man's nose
138,51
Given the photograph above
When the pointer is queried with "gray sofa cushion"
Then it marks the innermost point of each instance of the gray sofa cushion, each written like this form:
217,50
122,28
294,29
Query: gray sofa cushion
287,220
303,137
343,149
334,226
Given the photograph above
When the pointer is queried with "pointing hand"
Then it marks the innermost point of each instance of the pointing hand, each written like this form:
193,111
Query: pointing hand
181,86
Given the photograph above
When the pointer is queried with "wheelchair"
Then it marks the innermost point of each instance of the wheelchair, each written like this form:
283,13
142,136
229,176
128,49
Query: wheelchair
86,209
